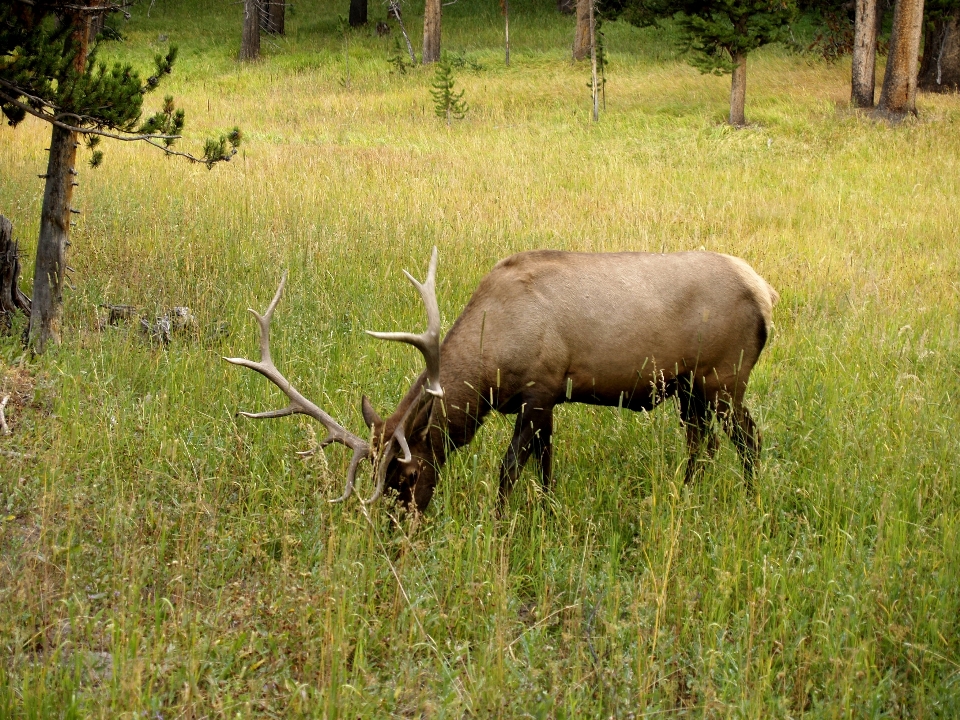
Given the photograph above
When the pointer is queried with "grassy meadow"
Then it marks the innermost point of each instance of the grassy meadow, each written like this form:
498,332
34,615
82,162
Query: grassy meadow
162,558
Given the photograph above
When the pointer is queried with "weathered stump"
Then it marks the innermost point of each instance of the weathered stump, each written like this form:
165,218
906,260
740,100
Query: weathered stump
11,298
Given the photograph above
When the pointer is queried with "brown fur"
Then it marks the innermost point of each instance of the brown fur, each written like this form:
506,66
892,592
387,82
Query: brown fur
631,329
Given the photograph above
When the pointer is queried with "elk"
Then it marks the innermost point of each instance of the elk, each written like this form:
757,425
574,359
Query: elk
546,327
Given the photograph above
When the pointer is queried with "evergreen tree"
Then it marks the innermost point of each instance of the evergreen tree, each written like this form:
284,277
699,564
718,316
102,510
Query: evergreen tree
398,60
718,34
721,33
49,70
600,40
448,104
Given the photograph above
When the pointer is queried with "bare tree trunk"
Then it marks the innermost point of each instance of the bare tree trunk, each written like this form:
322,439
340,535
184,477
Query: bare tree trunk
358,13
581,40
250,41
11,298
431,31
863,74
738,90
899,94
940,68
566,7
273,18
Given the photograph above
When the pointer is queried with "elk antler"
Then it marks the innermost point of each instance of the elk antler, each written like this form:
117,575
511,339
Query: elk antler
388,452
298,403
428,342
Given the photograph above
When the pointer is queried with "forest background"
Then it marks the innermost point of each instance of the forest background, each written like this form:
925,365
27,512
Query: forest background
160,557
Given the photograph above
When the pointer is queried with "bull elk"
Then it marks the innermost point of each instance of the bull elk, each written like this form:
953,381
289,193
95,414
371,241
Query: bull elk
546,327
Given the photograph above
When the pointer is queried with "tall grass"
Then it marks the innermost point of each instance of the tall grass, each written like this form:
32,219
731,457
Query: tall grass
160,557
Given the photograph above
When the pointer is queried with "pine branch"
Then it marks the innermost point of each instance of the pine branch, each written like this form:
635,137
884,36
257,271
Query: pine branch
41,76
208,161
52,119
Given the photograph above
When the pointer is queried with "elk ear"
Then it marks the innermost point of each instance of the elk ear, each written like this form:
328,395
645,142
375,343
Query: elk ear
370,417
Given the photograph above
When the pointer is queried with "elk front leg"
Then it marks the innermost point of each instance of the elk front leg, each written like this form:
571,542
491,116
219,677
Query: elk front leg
530,434
696,421
543,449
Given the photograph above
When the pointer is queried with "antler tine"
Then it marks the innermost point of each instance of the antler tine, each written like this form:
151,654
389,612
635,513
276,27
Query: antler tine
400,437
298,403
381,472
351,476
381,482
428,342
264,320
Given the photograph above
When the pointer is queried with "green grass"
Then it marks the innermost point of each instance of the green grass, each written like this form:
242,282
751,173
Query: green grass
160,557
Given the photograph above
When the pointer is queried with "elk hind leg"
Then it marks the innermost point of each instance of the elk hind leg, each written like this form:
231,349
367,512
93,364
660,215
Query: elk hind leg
745,434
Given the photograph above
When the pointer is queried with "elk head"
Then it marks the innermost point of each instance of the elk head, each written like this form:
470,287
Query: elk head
395,467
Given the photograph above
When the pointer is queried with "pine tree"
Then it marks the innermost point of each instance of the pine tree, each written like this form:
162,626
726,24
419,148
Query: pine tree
398,60
448,103
49,69
598,80
721,33
718,34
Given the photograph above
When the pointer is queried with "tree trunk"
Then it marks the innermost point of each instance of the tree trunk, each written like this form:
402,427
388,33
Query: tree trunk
46,310
738,90
581,40
863,73
11,299
940,68
899,94
97,21
566,7
431,31
272,20
250,41
593,65
48,275
358,13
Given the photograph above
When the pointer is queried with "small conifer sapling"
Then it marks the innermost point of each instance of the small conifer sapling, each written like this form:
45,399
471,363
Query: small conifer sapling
448,103
398,60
